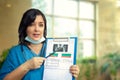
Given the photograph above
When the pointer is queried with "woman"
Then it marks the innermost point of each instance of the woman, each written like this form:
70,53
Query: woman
24,61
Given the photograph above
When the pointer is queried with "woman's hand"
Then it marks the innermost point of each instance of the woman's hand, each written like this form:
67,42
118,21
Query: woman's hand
74,69
34,63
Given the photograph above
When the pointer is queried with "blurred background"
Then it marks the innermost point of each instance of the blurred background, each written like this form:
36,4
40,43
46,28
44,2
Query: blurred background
96,23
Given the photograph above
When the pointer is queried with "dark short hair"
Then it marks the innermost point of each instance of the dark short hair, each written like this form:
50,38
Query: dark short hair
29,17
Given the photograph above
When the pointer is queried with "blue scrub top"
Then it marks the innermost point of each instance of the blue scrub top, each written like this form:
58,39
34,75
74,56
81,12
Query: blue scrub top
17,56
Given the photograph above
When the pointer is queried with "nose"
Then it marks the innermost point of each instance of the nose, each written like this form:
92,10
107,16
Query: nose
36,28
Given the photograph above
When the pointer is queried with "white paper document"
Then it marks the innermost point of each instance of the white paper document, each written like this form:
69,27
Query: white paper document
56,67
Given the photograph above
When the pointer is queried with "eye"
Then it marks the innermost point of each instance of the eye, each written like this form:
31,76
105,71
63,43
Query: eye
41,24
32,24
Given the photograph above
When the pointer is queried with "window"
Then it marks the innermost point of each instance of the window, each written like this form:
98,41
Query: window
71,18
118,3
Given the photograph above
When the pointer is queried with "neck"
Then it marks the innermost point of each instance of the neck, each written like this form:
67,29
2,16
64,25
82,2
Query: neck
35,45
35,48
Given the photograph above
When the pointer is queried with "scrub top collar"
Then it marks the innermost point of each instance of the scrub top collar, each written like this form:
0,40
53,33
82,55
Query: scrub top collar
41,54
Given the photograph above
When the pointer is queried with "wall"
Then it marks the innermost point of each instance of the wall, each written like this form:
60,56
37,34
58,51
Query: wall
107,35
10,17
117,28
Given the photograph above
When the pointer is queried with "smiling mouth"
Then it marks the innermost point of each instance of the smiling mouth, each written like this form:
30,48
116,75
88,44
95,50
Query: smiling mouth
36,35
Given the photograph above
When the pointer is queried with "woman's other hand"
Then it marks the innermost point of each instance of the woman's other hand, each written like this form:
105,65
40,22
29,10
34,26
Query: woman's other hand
74,69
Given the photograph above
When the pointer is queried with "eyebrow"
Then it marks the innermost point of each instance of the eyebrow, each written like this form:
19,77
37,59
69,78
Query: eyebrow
41,22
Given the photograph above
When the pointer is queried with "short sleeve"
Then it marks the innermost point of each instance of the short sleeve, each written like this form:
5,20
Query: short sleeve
8,64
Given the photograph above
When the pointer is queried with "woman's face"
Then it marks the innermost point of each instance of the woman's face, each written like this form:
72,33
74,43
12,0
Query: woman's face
36,30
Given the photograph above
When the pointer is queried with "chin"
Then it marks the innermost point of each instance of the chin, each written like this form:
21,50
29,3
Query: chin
36,39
